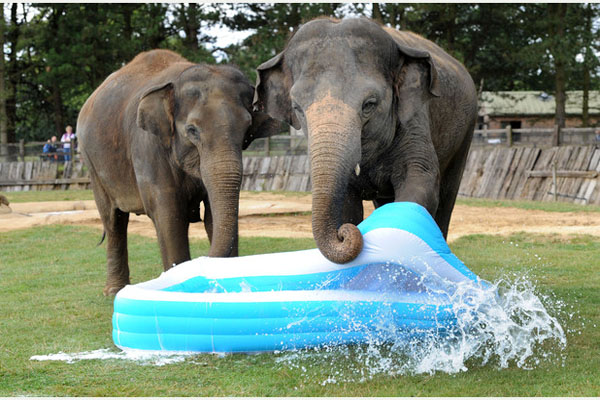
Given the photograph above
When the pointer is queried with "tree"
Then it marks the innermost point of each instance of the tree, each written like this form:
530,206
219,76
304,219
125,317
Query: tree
12,74
273,25
590,61
557,15
3,125
188,20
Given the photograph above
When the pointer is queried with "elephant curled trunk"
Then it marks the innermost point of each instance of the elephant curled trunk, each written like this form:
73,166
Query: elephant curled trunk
334,141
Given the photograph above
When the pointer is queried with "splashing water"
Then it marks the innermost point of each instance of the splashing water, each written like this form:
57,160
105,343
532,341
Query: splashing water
141,357
504,324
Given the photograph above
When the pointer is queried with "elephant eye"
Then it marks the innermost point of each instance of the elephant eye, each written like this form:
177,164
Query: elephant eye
192,131
297,108
369,106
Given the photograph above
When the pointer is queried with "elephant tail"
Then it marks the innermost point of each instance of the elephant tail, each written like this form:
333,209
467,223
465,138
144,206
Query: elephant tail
102,240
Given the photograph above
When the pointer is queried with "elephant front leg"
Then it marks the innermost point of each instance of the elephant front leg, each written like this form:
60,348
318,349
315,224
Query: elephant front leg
417,177
172,230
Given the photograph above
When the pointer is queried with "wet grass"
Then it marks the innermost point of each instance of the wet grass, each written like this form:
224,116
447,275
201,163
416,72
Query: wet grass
51,301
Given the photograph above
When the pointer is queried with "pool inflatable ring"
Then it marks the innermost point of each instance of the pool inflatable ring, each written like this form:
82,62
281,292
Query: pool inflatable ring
400,284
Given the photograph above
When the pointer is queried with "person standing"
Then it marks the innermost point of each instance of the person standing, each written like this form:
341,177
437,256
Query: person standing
66,140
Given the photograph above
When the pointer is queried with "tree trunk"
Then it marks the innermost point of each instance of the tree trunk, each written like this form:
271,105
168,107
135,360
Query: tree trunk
3,125
12,72
558,13
561,95
377,13
585,117
57,108
191,25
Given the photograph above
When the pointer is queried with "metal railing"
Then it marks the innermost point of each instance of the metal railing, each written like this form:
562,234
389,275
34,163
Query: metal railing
31,151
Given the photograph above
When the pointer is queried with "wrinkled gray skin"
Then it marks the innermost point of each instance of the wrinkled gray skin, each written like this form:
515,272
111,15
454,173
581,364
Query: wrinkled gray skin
391,102
160,136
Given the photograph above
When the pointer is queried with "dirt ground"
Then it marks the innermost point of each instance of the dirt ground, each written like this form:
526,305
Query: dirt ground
286,215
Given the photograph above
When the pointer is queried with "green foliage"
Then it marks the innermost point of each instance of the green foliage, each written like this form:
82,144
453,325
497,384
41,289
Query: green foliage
273,25
51,284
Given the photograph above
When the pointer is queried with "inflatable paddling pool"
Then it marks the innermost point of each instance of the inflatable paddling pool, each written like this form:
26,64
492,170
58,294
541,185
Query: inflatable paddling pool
400,284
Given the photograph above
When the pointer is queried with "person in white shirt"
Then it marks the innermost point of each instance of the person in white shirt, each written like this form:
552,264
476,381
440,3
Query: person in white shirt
66,140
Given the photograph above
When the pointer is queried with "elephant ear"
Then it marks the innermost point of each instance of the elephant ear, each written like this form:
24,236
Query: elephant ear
416,81
155,113
262,126
272,94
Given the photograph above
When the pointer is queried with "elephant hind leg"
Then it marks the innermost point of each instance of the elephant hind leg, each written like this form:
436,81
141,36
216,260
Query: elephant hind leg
115,224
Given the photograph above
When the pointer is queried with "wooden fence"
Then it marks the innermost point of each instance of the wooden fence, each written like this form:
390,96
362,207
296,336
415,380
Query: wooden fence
42,175
291,173
565,173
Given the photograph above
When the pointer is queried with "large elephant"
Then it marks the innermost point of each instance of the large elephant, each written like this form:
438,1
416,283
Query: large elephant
389,117
159,136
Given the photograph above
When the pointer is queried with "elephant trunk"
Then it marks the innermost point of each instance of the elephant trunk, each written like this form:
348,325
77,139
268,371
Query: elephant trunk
334,153
223,180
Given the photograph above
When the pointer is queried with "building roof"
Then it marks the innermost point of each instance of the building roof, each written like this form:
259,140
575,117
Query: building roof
534,103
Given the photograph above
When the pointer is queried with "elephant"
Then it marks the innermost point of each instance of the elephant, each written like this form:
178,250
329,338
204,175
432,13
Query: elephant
159,136
389,118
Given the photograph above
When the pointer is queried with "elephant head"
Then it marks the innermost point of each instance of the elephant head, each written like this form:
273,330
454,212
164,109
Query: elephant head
203,117
349,86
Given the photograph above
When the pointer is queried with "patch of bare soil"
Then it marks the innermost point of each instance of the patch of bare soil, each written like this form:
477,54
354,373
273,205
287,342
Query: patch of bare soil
285,215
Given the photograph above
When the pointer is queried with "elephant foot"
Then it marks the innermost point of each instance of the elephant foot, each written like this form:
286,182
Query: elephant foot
111,289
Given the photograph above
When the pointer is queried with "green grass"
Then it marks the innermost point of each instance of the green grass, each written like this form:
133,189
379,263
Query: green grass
52,301
558,206
48,195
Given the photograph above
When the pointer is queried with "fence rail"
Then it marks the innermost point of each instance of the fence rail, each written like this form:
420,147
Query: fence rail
537,137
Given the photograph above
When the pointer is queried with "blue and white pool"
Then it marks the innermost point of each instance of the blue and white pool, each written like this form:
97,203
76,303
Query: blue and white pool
401,284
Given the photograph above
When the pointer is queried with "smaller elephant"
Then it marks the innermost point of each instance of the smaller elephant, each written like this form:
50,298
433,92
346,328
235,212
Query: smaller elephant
159,136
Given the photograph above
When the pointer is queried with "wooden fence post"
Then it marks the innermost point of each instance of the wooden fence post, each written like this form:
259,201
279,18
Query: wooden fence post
22,149
556,136
267,146
509,136
554,185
